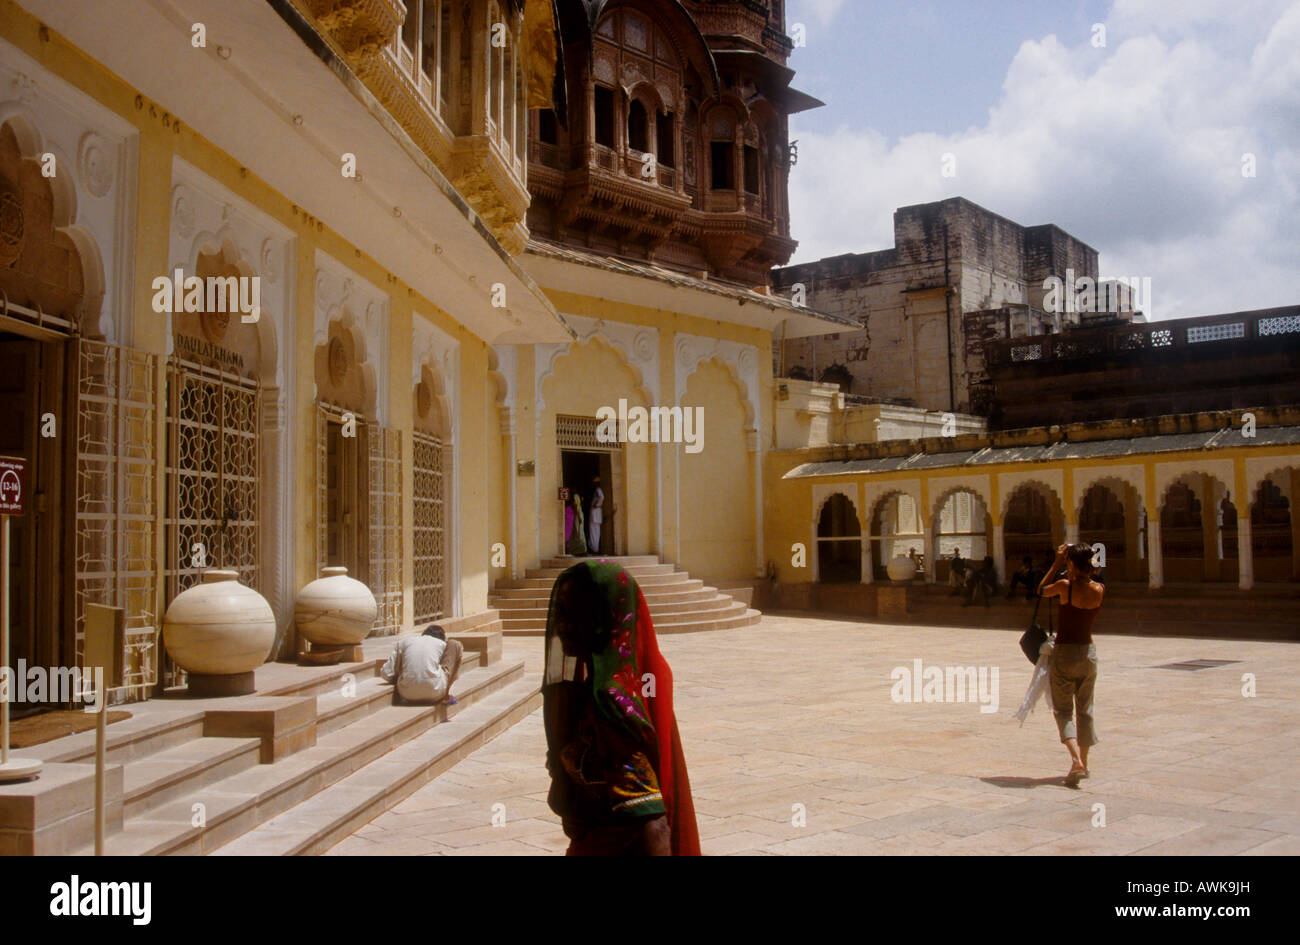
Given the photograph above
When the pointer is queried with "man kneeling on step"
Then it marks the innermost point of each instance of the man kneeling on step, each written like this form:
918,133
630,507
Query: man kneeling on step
424,667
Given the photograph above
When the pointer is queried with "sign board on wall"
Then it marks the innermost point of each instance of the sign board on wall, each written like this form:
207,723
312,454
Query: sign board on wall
13,485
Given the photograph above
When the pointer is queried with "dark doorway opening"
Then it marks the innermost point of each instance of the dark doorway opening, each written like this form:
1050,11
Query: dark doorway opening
33,426
578,469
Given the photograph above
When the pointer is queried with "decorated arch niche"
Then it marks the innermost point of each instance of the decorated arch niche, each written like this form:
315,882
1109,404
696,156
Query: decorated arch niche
344,376
220,378
215,331
48,263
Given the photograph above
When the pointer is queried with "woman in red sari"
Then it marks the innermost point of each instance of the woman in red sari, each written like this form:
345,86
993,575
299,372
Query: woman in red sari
618,778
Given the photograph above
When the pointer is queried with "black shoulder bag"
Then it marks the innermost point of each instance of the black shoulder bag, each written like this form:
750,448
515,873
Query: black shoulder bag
1032,640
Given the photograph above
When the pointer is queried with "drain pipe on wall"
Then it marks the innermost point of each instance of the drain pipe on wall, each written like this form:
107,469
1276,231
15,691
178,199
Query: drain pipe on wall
947,311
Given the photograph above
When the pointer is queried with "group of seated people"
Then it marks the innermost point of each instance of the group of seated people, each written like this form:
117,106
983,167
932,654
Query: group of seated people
965,577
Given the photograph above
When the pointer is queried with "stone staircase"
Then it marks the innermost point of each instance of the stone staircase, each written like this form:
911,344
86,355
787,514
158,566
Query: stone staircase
314,754
1269,612
678,603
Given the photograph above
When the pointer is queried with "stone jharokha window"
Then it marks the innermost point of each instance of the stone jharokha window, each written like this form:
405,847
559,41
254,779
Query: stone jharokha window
604,116
434,54
419,48
751,169
548,131
638,127
664,139
723,161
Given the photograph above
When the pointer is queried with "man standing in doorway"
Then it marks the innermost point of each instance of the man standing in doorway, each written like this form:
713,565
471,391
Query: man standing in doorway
594,517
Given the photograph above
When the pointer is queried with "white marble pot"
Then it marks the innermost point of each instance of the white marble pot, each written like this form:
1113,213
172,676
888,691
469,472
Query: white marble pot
219,627
901,568
335,610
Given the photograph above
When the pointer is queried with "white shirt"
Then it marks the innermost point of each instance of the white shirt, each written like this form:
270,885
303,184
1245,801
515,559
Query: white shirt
597,500
416,666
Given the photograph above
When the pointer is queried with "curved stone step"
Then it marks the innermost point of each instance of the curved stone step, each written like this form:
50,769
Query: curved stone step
324,819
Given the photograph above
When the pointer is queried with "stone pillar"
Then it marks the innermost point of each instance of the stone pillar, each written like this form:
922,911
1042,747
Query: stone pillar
1245,554
930,541
1071,533
999,553
1211,549
867,576
1132,548
1156,568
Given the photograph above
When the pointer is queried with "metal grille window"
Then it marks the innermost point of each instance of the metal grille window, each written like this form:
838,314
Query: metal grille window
212,474
115,509
579,433
385,498
1199,333
212,479
430,533
359,506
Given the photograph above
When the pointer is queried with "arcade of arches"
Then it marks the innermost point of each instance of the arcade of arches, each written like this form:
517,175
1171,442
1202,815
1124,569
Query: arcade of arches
1232,526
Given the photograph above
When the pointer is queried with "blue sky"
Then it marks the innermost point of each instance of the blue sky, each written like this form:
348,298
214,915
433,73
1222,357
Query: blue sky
1135,146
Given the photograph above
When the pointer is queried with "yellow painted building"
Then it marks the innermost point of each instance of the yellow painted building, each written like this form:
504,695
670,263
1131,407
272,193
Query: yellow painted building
408,378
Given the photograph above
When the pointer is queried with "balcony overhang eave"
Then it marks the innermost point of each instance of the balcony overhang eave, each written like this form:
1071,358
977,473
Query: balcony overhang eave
286,107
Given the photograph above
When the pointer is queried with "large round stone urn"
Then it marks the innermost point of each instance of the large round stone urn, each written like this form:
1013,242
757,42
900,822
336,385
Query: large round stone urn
219,631
334,612
901,569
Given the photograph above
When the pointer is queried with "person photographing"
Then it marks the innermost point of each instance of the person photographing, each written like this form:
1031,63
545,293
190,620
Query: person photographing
1073,674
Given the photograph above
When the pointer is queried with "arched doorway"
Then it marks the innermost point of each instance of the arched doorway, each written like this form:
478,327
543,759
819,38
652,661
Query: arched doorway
1272,531
1103,519
358,463
45,286
1192,532
961,524
1033,524
895,530
839,542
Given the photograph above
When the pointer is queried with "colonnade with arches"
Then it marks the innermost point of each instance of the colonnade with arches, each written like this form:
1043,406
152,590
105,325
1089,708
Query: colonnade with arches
1228,521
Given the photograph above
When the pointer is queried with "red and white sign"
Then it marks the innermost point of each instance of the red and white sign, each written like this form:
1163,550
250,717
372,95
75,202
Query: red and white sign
13,485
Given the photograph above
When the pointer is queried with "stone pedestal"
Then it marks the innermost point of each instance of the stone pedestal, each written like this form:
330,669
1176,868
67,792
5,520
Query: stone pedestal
202,686
891,601
55,814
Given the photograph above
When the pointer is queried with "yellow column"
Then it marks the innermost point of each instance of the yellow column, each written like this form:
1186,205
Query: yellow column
300,332
999,549
474,546
1245,543
401,416
1155,560
1071,513
526,451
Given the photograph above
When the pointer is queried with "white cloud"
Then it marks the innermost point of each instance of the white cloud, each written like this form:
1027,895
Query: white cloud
820,11
1136,149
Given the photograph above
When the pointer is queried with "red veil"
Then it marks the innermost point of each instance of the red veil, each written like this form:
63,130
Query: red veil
632,689
673,782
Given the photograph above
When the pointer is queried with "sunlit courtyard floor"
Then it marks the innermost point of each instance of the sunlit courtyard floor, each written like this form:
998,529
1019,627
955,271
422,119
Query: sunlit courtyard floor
795,746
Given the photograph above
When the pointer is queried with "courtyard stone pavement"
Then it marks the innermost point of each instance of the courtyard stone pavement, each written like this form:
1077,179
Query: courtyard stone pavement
795,747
